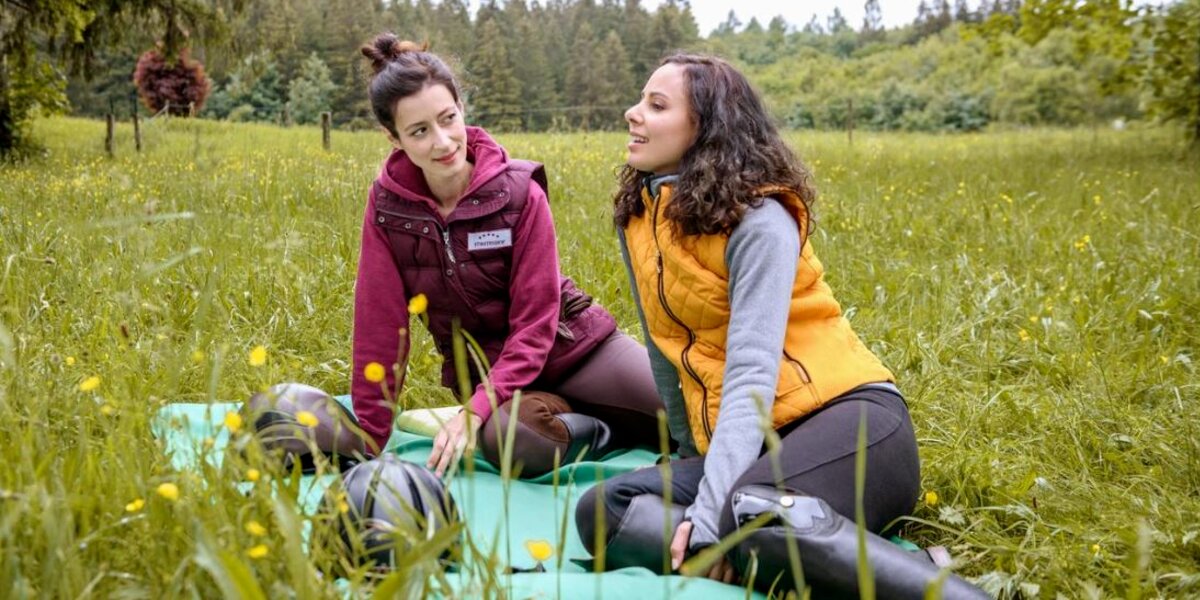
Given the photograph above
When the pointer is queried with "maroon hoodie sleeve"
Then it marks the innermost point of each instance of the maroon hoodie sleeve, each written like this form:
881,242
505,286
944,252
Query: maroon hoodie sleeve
533,314
380,313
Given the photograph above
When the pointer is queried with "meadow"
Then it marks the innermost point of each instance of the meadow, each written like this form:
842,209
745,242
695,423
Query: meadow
1036,293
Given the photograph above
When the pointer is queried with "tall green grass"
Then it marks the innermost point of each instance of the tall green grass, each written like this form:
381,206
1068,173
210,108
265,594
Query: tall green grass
1036,294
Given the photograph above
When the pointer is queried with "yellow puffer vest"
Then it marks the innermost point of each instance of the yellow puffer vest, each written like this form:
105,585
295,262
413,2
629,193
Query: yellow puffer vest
684,287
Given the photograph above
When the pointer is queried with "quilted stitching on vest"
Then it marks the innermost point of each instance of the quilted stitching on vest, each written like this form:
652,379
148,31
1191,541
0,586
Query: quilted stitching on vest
686,306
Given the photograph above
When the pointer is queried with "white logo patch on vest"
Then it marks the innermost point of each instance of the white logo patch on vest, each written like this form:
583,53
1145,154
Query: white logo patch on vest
489,240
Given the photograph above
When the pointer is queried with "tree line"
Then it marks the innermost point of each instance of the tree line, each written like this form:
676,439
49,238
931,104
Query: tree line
571,64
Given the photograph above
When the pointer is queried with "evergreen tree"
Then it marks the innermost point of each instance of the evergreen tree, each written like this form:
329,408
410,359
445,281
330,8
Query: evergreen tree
672,28
345,26
635,35
872,27
728,27
583,87
454,35
309,94
615,82
836,23
495,91
537,83
552,26
963,13
777,30
944,16
814,26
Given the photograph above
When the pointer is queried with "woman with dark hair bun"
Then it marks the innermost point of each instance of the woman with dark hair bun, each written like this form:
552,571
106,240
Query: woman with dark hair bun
452,218
745,336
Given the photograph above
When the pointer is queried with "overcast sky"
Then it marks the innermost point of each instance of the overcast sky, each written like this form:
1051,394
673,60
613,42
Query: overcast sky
710,13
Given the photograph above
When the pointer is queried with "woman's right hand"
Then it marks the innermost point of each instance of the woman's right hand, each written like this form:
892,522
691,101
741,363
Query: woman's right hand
452,439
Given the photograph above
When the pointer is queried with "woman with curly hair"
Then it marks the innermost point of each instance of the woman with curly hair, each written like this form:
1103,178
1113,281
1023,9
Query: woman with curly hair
714,215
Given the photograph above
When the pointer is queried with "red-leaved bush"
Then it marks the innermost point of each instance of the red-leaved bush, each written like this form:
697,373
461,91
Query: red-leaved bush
180,84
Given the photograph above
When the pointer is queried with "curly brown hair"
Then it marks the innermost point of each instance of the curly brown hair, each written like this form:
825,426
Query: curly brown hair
738,150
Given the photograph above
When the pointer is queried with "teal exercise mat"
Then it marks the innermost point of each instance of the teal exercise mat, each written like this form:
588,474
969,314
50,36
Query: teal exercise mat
534,510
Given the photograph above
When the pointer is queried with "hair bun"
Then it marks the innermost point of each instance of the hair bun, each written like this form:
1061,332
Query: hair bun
386,48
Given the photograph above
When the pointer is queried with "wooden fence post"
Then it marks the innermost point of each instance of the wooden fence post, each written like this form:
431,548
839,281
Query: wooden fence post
108,136
137,128
325,122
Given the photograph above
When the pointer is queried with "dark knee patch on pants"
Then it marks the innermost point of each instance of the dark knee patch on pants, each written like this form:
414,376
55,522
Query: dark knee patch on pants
819,454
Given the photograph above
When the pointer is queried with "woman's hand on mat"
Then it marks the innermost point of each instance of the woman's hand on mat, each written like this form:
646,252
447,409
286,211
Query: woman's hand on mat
679,544
722,570
451,440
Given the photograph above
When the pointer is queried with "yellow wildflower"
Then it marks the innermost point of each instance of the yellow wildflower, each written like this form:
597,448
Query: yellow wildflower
253,474
135,506
374,372
169,491
1024,335
540,550
233,421
306,418
258,551
1164,360
258,356
418,304
931,498
256,529
1095,549
107,409
90,383
197,356
70,361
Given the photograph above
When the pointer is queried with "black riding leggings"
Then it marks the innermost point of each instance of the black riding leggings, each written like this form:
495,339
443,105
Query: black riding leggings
817,459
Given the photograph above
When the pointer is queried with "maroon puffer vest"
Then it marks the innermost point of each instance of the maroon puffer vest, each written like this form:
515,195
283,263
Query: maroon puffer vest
432,259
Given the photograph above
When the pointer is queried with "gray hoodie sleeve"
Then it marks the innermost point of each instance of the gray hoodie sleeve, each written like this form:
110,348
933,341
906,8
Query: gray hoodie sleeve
666,378
762,255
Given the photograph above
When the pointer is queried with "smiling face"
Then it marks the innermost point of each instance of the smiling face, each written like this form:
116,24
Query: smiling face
432,132
661,127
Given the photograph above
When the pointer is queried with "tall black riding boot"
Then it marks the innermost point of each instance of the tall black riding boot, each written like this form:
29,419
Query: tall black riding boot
828,549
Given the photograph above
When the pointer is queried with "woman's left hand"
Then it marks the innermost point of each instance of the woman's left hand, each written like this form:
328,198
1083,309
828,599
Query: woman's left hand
722,570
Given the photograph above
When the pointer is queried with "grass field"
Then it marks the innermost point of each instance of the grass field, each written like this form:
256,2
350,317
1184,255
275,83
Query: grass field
1035,292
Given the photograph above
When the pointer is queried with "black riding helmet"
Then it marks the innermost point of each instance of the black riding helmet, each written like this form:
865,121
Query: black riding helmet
290,419
388,500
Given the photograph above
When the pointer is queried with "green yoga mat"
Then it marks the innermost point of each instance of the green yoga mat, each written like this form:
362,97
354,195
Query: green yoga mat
534,511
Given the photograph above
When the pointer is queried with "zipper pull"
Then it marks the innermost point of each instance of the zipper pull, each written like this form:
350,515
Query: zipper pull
658,256
449,249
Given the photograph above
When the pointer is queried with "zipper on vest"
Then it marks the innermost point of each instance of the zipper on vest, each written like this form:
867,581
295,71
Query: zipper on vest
449,248
662,298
